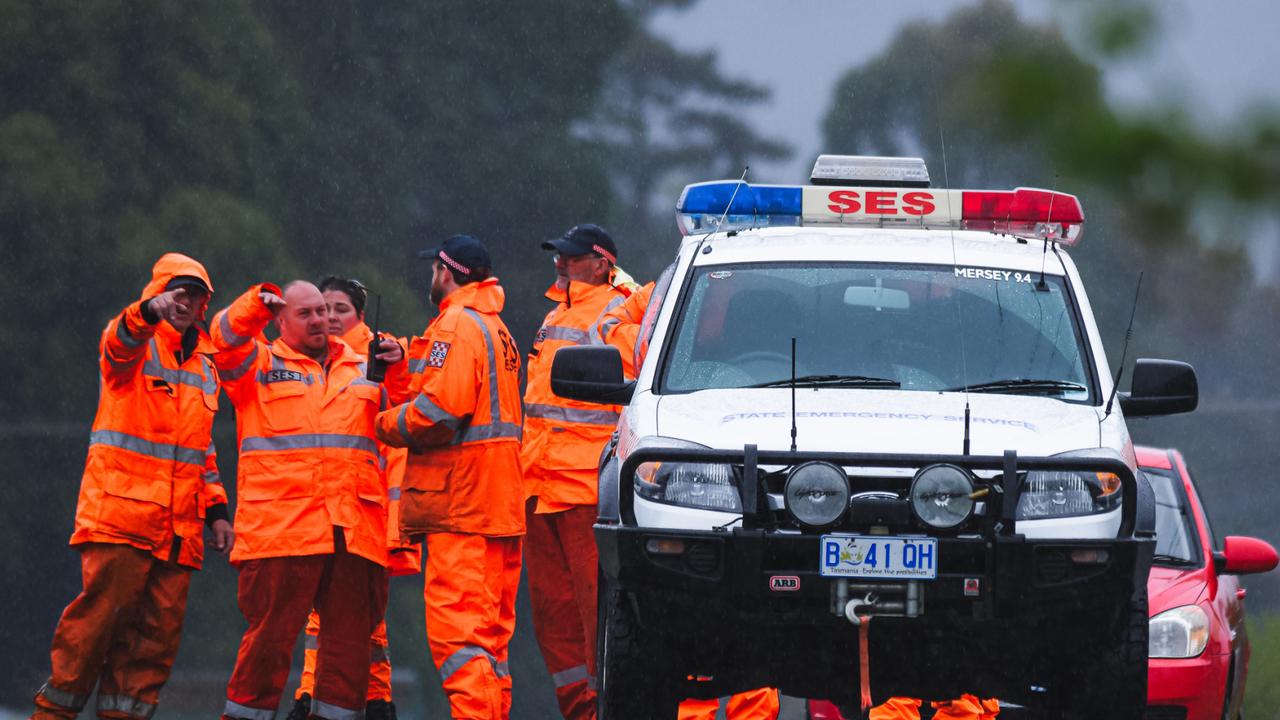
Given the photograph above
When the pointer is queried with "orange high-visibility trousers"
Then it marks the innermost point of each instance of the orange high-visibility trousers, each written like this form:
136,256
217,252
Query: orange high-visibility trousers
966,707
758,704
470,597
563,563
379,661
276,595
121,630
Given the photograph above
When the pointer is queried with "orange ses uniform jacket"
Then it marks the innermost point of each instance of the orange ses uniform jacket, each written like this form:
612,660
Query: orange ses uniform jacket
620,328
151,472
308,460
406,557
463,402
562,437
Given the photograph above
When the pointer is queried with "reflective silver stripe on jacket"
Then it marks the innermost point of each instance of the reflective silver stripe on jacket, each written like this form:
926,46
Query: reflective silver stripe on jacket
598,335
310,642
125,704
393,493
302,441
379,654
238,371
572,415
236,710
562,332
502,669
417,365
62,698
575,674
402,424
123,334
495,428
224,324
594,337
133,443
334,712
462,656
435,413
153,368
212,478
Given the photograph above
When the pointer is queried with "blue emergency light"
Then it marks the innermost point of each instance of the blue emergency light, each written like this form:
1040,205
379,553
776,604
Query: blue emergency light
702,205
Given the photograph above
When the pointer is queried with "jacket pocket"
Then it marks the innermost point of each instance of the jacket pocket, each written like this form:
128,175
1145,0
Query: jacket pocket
284,406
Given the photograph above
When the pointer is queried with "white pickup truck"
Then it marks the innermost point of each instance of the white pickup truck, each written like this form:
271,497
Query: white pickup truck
873,450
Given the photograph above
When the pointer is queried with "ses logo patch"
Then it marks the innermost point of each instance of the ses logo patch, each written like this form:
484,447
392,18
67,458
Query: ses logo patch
439,353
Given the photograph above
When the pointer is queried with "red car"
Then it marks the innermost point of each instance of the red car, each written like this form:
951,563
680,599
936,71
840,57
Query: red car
1198,647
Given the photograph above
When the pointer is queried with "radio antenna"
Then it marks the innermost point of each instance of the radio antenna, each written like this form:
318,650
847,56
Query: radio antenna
720,223
1128,334
955,263
793,394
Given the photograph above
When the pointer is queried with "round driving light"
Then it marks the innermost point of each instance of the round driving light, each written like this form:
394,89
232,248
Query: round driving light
941,496
817,494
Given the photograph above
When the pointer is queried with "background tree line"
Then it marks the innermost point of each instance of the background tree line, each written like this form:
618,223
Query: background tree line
291,138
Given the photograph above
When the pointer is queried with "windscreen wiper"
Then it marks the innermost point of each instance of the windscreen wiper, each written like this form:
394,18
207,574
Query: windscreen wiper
1021,385
811,381
1163,559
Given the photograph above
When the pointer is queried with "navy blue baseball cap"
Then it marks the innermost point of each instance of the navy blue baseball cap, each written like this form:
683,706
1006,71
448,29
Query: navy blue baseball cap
583,239
462,253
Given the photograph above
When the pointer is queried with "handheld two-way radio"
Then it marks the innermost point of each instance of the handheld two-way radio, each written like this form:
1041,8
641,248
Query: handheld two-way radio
375,369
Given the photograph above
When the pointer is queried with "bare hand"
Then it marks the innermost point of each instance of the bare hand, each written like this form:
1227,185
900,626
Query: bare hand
390,351
274,302
223,536
173,306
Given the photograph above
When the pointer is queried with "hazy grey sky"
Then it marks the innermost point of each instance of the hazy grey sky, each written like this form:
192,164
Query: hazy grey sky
1216,58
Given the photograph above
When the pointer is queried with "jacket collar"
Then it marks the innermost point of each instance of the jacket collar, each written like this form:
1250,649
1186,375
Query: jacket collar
579,292
486,296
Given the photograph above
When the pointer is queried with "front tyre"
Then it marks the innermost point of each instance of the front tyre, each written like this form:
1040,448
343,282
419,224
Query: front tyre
630,663
1115,684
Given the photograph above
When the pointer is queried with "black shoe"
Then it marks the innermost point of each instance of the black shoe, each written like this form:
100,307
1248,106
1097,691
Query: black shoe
301,708
380,710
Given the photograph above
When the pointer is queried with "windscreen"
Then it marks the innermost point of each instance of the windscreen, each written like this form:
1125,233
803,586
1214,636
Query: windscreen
1176,542
878,325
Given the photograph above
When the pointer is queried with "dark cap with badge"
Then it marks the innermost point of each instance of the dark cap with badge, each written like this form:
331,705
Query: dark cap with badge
189,282
461,253
583,239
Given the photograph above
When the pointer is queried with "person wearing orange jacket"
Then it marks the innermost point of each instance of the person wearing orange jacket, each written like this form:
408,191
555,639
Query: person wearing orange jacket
150,482
460,419
562,444
344,300
311,499
622,328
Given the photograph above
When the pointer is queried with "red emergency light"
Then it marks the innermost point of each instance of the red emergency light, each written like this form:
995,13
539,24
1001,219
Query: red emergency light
1024,212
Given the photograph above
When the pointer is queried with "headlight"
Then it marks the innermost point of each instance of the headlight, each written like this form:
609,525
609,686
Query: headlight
817,494
942,496
698,485
1049,494
1182,632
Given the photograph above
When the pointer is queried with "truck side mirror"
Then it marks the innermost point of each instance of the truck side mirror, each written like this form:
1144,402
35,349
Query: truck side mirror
1161,387
590,373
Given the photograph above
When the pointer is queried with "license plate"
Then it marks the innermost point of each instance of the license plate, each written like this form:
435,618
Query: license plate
878,556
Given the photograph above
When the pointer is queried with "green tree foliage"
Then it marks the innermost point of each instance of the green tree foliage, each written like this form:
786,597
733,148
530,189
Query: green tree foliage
667,116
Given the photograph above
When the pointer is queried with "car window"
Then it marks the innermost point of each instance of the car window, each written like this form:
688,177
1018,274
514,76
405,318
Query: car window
1176,538
903,323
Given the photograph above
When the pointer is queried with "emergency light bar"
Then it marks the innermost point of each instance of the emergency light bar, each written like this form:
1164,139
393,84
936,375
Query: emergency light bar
1025,212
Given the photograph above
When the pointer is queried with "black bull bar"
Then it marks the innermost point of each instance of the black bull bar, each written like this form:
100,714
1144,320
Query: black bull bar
1002,521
